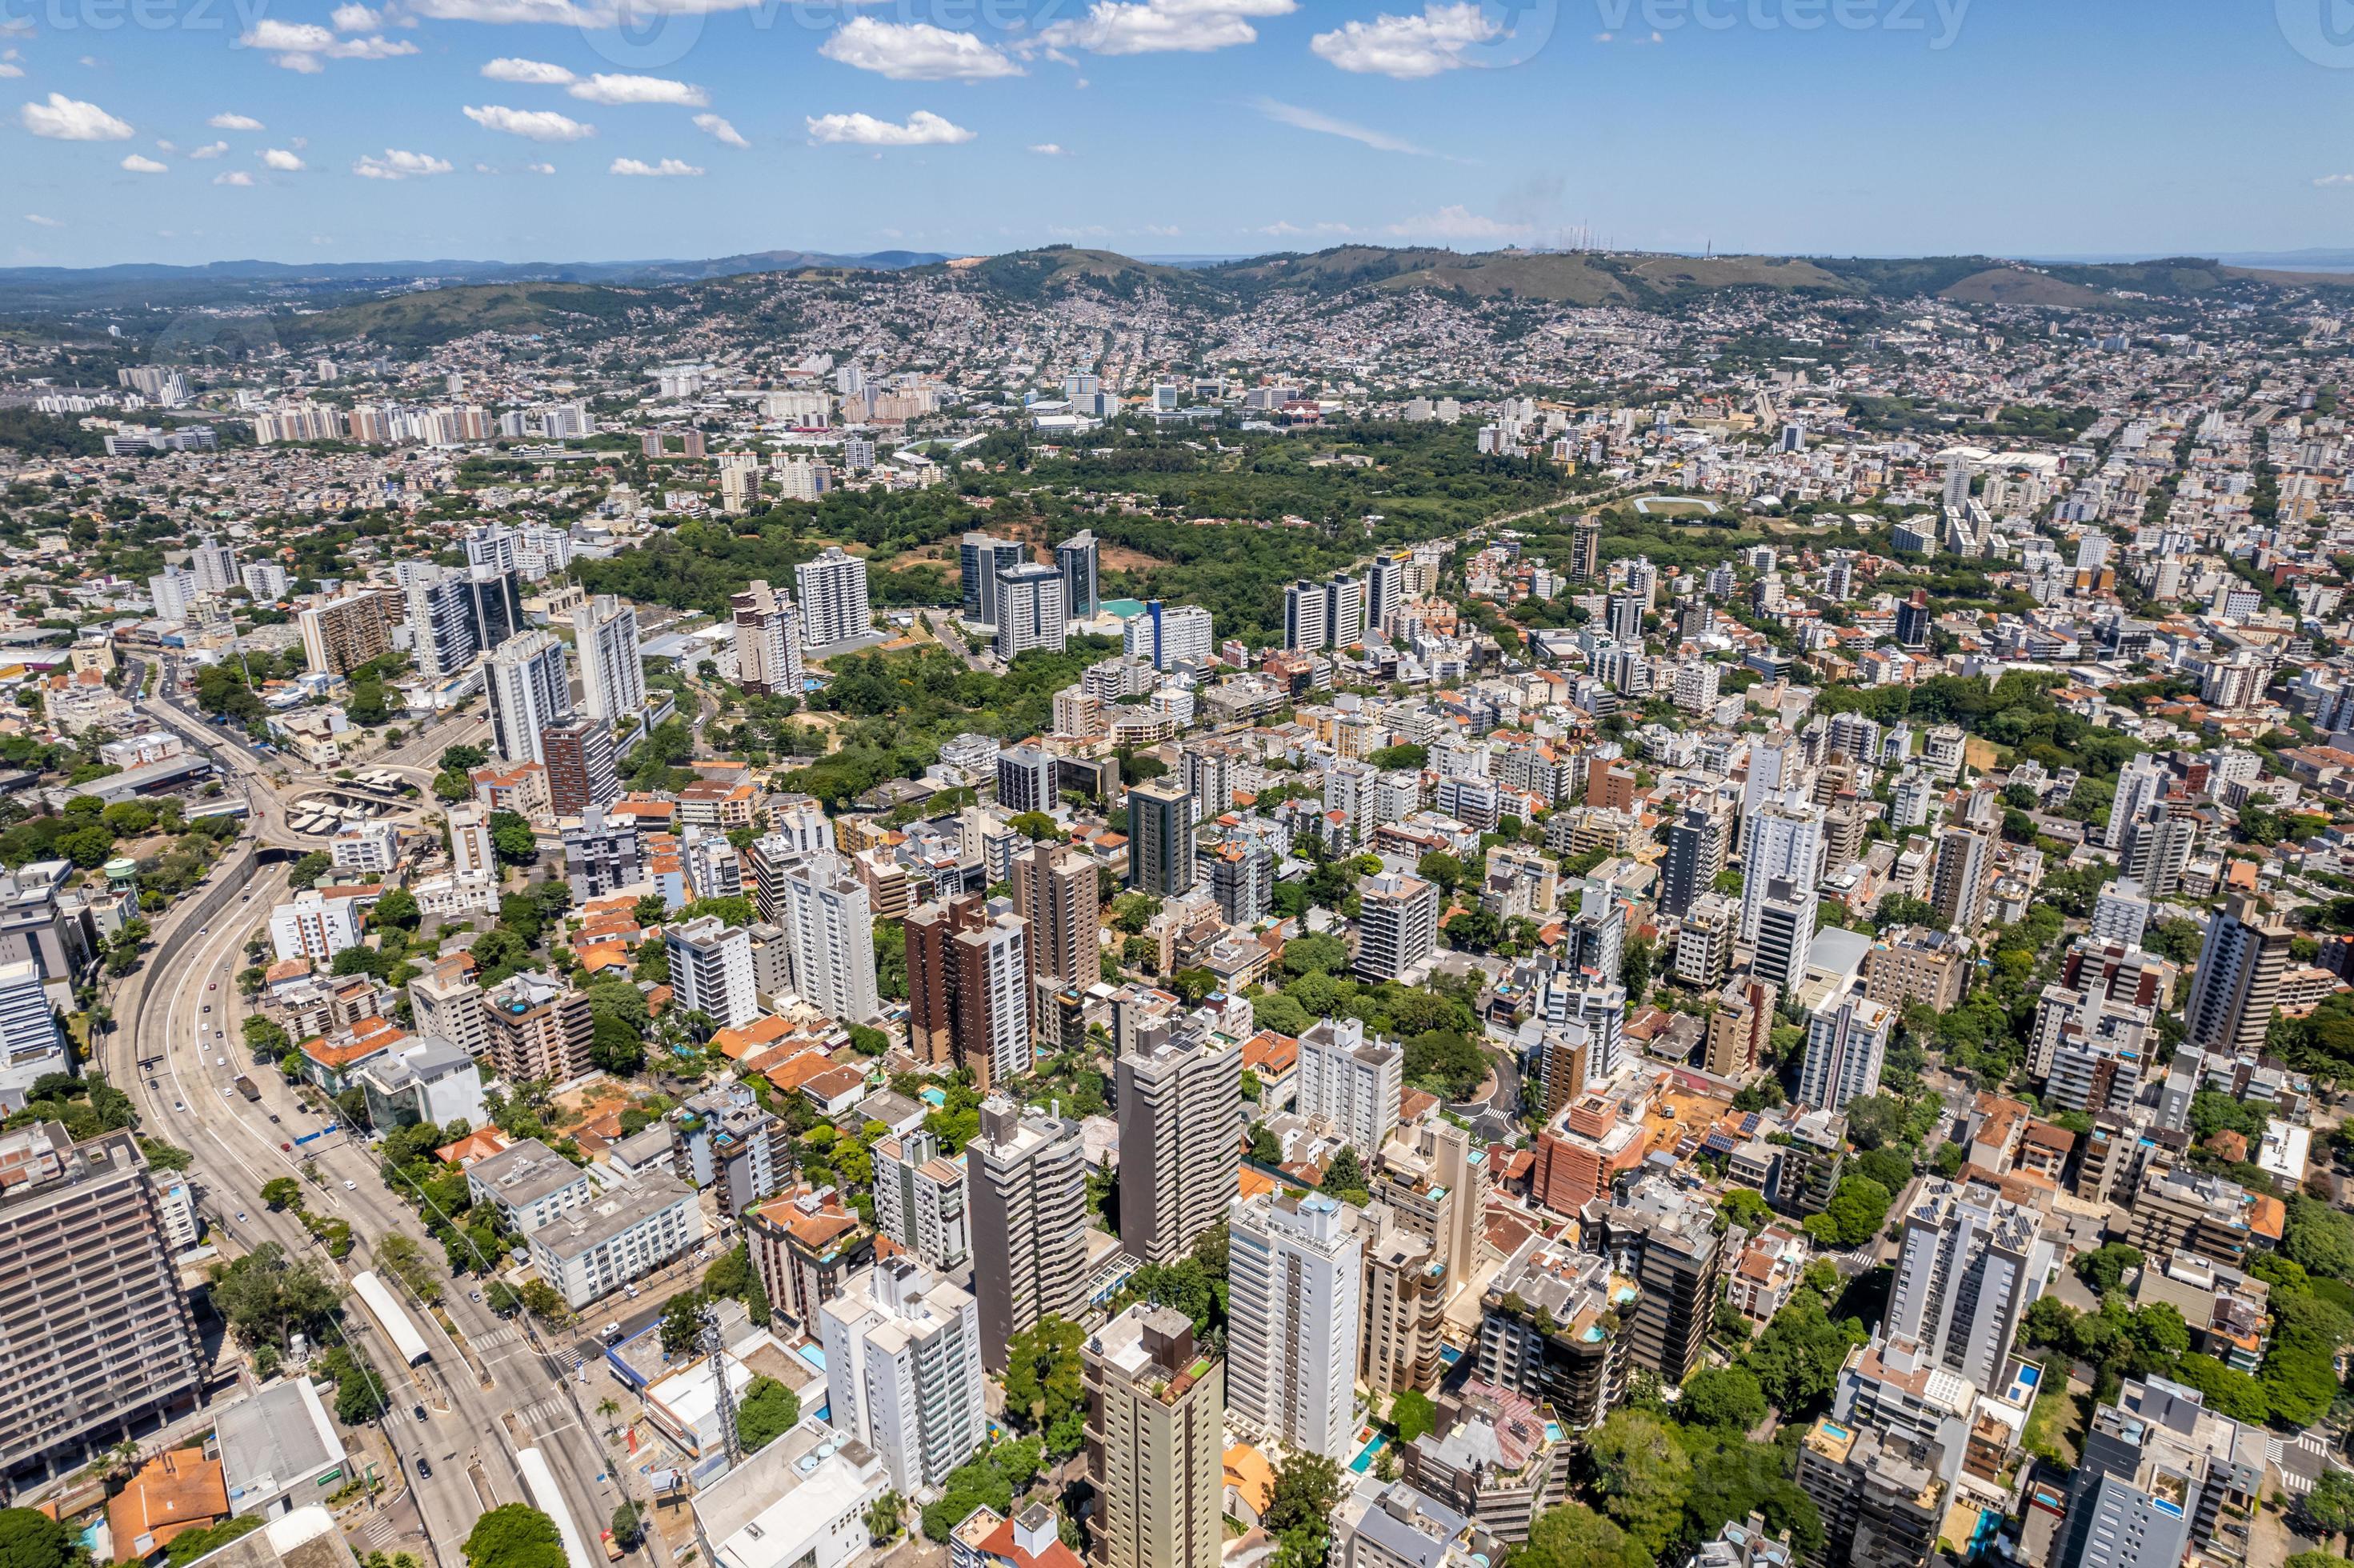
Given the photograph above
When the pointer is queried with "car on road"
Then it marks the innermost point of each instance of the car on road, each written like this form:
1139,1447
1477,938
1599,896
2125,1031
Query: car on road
208,1007
214,986
179,1106
204,931
227,1091
221,1060
424,1467
286,1148
240,1216
273,1114
351,1186
421,1413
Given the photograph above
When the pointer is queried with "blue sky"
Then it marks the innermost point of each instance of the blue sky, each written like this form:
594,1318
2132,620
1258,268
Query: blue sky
198,130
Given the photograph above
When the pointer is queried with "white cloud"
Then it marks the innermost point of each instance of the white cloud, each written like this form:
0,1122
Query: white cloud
1287,230
555,13
718,130
1310,120
537,125
300,46
64,118
610,89
141,165
1459,223
354,18
533,73
1163,230
398,165
10,69
667,168
1157,27
209,150
37,221
284,162
539,168
234,177
234,122
2335,180
915,51
1409,47
1052,150
923,129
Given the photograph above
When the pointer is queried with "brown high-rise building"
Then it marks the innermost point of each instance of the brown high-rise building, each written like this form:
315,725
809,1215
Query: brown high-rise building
1054,889
579,756
968,988
537,1027
341,634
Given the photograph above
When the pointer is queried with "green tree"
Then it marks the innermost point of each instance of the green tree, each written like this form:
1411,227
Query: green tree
1045,1381
511,839
265,1296
2103,1269
1641,1474
1344,1177
2319,1238
1307,1488
1036,826
628,1527
1726,1397
1574,1536
31,1539
2328,1509
282,1193
513,1535
396,907
1412,1414
768,1412
682,1324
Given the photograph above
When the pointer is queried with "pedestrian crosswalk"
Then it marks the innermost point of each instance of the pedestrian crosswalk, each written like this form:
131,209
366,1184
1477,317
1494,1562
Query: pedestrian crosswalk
379,1530
554,1409
505,1334
2298,1460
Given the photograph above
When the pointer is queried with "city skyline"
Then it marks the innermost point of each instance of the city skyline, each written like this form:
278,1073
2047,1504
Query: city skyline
498,128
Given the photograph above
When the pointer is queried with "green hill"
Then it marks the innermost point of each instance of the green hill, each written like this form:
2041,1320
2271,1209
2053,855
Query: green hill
433,316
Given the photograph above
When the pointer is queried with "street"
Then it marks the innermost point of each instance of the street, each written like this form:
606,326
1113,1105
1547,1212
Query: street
489,1387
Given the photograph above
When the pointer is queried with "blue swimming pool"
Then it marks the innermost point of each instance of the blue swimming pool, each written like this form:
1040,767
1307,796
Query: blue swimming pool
1365,1456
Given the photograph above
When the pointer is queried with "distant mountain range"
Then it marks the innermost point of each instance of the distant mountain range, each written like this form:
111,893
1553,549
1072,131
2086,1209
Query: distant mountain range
41,290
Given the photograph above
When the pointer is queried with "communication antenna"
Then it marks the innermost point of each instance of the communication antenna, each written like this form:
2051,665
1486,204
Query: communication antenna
723,1397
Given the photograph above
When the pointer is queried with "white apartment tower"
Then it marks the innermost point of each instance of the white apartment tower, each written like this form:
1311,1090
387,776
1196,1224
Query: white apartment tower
711,970
903,1371
1295,1298
1350,1081
530,692
1970,1264
834,599
612,672
829,929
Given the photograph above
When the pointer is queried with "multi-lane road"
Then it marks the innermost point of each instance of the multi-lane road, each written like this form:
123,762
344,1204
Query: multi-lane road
179,1050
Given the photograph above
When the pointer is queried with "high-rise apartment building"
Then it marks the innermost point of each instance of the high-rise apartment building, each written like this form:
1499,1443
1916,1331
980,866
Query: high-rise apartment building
1295,1270
1180,1106
537,1027
1350,1081
968,986
903,1371
1665,1240
767,641
1782,844
1056,894
1161,859
829,924
344,633
582,774
1304,629
920,1202
1786,933
2236,988
1156,1444
612,670
1847,1044
1970,1264
980,558
2141,783
1586,549
834,606
98,1332
1696,846
531,691
1030,613
711,970
2162,1479
1076,558
1026,1177
1961,877
1397,926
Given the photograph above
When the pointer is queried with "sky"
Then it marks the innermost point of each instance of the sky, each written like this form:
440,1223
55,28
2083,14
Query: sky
187,131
